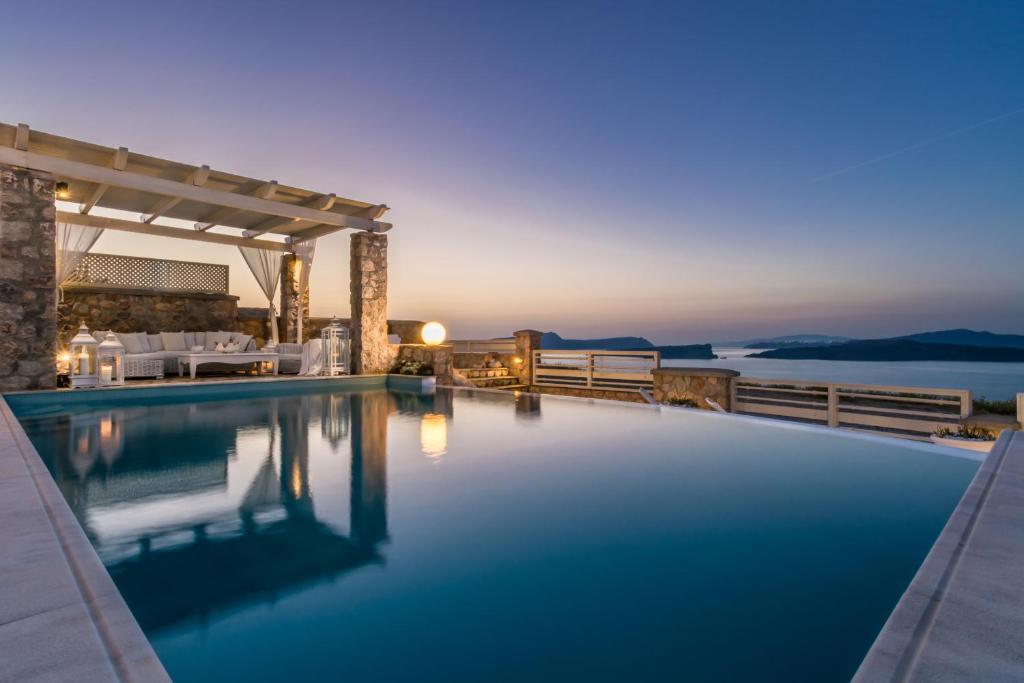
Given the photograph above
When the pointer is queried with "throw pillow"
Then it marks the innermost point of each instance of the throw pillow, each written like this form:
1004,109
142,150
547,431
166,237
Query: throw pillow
143,341
215,338
155,342
190,339
173,341
200,339
241,339
130,342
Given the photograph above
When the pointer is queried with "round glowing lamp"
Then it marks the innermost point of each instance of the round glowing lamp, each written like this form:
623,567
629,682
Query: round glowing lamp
433,334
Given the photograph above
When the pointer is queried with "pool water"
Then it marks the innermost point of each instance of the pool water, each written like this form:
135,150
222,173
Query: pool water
376,535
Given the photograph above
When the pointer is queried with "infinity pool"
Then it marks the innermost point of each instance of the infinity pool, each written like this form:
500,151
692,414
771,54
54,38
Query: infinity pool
379,535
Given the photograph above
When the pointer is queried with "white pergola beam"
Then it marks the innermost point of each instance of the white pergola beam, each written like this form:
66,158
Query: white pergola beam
98,174
21,137
322,203
198,177
165,231
265,191
117,162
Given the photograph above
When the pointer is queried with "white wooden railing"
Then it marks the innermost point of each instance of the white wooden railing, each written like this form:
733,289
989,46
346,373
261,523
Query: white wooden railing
905,411
621,370
483,345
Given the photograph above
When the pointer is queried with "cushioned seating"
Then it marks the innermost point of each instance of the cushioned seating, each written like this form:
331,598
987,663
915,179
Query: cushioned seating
168,346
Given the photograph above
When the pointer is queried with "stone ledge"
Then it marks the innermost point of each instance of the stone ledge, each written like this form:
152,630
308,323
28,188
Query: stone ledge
73,287
694,372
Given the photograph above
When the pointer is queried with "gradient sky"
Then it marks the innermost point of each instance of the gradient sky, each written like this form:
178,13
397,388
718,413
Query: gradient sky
670,169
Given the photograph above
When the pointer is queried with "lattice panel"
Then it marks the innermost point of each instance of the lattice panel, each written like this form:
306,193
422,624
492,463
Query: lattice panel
150,273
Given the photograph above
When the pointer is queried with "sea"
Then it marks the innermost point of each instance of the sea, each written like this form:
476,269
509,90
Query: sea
994,381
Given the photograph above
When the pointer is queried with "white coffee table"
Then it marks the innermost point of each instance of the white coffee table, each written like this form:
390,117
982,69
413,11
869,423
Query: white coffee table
194,360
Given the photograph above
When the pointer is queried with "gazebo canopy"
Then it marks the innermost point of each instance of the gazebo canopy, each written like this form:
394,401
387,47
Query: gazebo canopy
105,177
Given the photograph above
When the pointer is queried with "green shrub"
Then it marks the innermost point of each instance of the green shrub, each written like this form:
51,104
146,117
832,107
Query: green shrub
983,406
685,402
411,367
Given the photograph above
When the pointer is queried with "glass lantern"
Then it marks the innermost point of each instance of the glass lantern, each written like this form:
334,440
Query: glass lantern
335,348
110,358
83,368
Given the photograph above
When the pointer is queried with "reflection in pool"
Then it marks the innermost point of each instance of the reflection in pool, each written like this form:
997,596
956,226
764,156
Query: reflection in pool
385,535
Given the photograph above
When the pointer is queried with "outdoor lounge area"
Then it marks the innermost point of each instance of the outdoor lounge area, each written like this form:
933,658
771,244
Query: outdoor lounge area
170,317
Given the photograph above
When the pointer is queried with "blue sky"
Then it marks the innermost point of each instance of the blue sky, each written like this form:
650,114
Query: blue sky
663,169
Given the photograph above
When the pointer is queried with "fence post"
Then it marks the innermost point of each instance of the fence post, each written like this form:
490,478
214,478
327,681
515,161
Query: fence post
833,406
590,369
966,405
1020,409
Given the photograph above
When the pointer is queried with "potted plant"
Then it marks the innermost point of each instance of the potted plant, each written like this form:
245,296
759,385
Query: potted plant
967,437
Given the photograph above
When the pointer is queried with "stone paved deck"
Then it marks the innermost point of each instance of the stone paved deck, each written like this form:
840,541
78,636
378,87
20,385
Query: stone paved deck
61,617
962,618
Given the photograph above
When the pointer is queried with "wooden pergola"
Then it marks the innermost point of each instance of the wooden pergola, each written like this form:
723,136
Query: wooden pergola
155,188
39,169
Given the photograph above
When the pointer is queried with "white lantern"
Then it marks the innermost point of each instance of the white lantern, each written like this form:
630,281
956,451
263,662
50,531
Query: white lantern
83,368
110,359
334,339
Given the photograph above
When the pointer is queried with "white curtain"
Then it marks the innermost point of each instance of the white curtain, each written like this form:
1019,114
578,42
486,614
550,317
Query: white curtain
304,251
266,268
73,243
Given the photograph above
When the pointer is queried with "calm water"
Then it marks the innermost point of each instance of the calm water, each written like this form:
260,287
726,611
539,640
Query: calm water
383,536
991,380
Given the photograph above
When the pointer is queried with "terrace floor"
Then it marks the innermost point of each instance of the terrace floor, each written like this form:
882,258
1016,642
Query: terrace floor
962,618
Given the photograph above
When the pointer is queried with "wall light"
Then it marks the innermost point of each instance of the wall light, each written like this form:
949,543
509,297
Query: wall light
62,191
433,334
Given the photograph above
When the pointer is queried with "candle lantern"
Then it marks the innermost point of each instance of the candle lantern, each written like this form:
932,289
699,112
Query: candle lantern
335,344
83,368
110,358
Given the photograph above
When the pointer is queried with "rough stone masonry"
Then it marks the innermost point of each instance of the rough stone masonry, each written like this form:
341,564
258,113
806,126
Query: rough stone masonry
369,299
28,293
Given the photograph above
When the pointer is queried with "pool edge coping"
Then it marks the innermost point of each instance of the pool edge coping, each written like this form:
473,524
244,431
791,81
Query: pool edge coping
125,647
897,650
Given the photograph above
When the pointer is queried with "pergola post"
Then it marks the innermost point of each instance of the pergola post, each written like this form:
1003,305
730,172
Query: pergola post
28,295
368,290
292,302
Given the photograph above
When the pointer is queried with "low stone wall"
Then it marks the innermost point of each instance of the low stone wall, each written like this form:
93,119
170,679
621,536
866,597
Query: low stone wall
695,385
141,310
438,356
481,359
605,394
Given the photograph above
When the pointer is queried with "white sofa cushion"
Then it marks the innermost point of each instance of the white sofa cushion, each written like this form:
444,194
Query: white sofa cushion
133,342
241,339
174,341
214,338
200,339
155,342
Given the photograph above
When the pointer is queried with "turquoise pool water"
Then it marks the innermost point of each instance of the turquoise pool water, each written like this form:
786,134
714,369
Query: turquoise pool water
375,535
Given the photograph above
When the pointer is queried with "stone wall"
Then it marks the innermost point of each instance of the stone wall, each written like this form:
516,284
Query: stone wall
140,310
438,356
695,385
368,290
28,321
527,341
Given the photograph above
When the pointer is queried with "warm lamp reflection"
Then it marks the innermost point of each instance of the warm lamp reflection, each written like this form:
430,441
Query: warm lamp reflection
433,435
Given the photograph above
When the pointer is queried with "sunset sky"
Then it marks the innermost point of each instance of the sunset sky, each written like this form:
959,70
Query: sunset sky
685,171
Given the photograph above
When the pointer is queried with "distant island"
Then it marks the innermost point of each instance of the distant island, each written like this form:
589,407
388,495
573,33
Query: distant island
554,342
785,340
898,350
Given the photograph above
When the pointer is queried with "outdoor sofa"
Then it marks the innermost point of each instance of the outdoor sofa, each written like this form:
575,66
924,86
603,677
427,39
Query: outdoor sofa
156,355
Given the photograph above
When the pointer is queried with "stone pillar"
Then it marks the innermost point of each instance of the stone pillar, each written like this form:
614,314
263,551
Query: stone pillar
292,303
691,386
368,289
28,296
527,341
